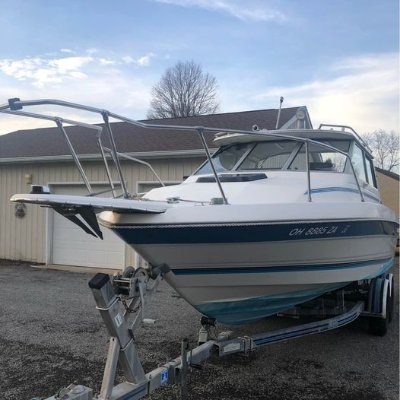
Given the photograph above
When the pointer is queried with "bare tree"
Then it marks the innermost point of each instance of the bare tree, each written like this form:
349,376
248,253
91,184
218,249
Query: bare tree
385,148
184,90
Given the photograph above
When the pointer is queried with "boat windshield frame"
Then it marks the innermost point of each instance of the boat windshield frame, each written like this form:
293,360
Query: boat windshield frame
250,147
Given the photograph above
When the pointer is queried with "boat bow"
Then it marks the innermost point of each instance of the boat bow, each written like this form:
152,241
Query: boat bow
86,207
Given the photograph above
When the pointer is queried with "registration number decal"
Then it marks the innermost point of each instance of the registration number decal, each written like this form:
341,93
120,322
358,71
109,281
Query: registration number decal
321,230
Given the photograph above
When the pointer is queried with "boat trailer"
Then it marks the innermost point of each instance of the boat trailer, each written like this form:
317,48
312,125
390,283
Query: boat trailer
122,296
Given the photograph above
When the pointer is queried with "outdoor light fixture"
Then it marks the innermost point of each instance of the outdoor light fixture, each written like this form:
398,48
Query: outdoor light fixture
28,179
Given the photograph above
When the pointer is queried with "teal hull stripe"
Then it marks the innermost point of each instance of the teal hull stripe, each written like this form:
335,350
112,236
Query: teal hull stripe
289,268
342,189
244,311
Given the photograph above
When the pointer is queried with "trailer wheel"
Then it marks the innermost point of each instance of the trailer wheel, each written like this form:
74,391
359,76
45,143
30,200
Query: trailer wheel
390,304
128,272
381,302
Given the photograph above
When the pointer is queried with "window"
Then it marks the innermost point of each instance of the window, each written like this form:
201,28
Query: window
357,159
278,155
269,155
226,158
370,172
322,158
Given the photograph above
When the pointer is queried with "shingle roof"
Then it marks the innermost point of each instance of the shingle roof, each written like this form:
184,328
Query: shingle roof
129,138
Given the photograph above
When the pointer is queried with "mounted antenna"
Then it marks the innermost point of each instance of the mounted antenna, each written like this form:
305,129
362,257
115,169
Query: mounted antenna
279,112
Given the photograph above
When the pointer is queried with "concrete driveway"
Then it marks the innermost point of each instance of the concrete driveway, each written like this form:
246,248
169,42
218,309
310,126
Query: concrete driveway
51,335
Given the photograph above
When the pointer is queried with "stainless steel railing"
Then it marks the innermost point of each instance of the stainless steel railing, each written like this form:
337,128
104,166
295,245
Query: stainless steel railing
349,129
15,107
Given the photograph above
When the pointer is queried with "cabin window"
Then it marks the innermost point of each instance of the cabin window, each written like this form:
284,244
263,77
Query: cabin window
226,158
322,158
357,159
278,155
268,155
370,172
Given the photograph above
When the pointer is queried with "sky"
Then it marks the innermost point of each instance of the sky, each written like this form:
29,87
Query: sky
339,58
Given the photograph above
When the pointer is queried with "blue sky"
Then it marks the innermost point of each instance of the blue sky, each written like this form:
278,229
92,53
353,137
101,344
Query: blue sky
339,58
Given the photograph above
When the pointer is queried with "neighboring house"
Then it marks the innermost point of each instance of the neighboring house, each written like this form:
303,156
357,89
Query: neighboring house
41,157
388,183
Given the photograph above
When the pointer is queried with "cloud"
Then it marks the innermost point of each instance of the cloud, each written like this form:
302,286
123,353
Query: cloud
69,51
120,93
141,61
42,71
97,81
361,91
106,61
245,11
67,64
145,60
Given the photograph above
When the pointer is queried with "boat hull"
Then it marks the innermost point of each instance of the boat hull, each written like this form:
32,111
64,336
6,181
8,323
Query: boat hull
238,272
241,295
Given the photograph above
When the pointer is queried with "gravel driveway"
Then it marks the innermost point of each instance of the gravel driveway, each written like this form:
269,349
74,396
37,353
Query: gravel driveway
52,335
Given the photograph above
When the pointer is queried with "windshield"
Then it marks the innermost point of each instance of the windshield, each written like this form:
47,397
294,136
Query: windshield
322,158
278,155
226,158
269,155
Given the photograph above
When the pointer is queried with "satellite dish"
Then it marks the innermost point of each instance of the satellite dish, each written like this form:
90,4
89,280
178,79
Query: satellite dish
300,114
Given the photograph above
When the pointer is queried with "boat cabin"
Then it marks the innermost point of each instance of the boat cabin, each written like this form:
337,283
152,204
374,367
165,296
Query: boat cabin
271,167
286,151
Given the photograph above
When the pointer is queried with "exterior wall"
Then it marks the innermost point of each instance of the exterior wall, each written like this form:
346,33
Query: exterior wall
389,188
25,238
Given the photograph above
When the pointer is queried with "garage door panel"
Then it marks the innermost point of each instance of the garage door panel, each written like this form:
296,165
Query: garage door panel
72,246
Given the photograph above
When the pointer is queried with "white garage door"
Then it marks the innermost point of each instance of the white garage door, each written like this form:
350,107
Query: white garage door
72,246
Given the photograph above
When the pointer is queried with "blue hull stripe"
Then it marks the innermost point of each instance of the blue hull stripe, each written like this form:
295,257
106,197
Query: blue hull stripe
247,233
244,311
342,189
260,270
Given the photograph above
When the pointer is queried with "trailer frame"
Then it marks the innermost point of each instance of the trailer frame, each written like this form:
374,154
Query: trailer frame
127,294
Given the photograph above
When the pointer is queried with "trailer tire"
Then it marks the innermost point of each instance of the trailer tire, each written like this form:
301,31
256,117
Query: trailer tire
379,325
128,272
390,304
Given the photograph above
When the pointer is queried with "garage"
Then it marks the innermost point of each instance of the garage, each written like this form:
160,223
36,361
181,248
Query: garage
70,245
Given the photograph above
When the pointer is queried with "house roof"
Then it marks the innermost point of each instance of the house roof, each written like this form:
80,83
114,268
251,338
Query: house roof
45,142
390,174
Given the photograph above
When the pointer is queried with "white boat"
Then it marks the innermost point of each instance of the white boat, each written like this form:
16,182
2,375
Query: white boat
272,220
269,248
